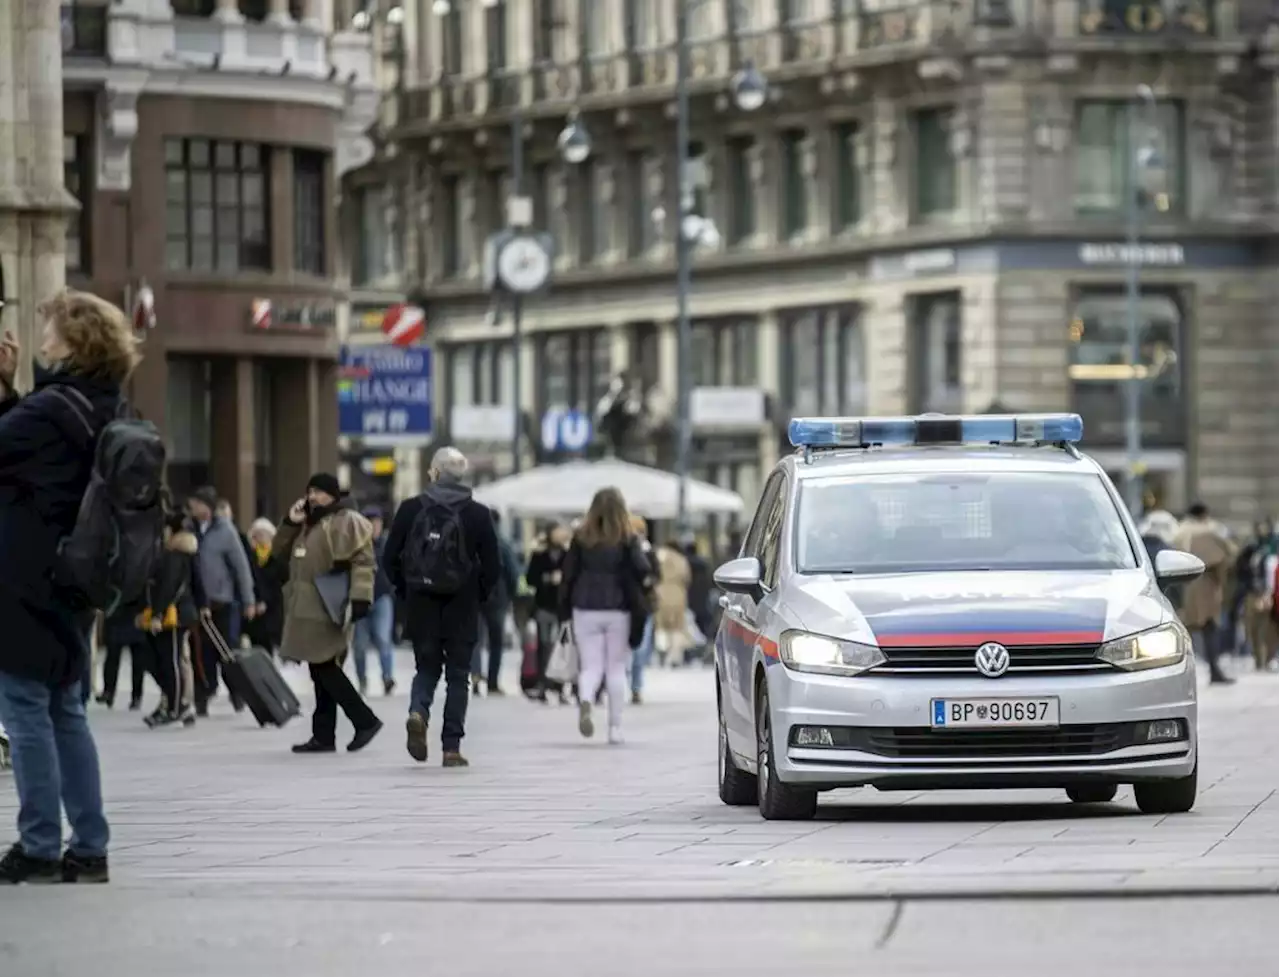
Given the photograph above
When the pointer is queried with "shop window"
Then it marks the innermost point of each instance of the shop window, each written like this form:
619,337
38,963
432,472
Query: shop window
75,177
936,178
741,189
216,214
846,189
1098,337
795,199
823,362
1109,137
308,212
574,369
935,350
724,353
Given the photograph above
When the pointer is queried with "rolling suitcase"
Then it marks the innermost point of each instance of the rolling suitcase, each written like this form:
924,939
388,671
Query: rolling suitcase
253,676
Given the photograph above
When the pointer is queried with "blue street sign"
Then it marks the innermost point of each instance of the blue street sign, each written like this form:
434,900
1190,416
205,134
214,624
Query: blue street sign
384,393
566,430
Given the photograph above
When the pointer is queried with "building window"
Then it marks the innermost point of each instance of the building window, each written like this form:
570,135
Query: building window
193,8
495,200
589,207
216,215
935,167
741,188
1105,146
450,219
495,31
480,374
593,26
935,338
1098,338
376,251
641,232
823,362
848,193
75,177
259,10
574,369
188,423
84,29
308,212
699,177
724,353
452,41
795,196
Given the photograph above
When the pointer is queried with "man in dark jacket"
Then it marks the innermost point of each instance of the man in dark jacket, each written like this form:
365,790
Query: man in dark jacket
493,614
376,629
442,626
46,457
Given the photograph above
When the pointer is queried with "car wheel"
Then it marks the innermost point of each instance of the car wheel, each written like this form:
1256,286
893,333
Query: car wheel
1092,793
777,801
1166,796
737,787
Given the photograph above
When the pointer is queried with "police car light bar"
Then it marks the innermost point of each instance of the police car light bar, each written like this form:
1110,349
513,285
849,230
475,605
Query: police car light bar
856,432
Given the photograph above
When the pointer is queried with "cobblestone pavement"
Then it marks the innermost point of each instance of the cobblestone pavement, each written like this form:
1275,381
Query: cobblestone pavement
229,849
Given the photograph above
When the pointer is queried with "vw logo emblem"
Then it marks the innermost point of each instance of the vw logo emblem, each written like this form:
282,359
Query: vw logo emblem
992,659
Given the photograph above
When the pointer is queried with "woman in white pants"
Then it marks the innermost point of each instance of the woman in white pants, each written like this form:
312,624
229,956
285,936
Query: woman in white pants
604,573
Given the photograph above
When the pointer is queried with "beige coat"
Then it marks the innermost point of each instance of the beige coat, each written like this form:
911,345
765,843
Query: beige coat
344,536
1202,598
672,591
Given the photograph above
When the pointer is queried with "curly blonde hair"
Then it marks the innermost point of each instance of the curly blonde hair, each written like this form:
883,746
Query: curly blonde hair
607,522
98,335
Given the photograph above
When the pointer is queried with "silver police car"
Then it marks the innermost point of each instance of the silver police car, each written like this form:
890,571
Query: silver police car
950,602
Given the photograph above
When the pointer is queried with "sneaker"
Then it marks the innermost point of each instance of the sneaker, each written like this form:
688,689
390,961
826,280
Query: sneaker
364,737
135,704
615,736
314,746
188,717
637,699
202,709
160,717
17,867
416,736
388,686
475,687
87,869
585,726
455,759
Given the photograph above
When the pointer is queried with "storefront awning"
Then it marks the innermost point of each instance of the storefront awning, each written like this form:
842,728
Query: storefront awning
566,490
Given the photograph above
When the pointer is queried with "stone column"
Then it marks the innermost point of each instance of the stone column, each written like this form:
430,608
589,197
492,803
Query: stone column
278,12
228,11
232,452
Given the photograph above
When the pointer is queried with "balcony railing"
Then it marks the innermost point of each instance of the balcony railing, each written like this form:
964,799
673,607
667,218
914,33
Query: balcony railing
84,31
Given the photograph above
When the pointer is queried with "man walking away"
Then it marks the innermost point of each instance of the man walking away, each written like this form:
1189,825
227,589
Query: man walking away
1204,537
493,614
376,629
239,614
442,559
226,579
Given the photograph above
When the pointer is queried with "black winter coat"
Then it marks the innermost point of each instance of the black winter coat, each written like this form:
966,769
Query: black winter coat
46,457
176,580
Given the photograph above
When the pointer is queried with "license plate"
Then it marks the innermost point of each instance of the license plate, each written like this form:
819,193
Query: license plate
994,713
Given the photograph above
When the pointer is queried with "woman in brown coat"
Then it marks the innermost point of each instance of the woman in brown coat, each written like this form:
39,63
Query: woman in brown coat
324,533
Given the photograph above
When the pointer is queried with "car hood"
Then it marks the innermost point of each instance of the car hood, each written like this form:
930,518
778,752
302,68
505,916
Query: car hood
967,609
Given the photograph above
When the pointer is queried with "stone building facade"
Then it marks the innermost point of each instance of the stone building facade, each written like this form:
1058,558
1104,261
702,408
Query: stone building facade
930,213
205,141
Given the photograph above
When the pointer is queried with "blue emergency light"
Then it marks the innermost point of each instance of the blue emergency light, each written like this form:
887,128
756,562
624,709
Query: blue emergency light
861,432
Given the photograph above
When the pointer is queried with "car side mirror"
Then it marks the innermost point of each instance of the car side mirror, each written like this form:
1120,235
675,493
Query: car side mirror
740,576
1177,566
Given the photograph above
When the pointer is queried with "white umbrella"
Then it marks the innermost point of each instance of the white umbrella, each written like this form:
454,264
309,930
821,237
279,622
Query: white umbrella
567,490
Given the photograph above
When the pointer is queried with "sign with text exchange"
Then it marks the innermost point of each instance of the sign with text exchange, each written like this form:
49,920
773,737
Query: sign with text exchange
384,394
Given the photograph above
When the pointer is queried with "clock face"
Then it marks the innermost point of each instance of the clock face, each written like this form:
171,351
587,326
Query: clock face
523,265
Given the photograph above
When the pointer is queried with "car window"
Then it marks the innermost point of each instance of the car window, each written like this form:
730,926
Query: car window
960,521
751,546
771,537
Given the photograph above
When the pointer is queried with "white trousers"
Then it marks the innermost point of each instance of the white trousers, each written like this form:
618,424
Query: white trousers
603,653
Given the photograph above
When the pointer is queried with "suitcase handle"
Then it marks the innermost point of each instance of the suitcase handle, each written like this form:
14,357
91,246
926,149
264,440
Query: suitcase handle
219,642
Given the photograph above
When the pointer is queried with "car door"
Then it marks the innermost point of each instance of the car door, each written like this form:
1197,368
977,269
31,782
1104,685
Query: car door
741,616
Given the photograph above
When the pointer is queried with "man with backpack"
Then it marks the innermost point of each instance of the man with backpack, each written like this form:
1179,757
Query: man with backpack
81,520
442,559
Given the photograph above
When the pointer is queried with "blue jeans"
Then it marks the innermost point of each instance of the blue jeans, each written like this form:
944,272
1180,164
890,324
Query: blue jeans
55,765
376,630
640,656
493,624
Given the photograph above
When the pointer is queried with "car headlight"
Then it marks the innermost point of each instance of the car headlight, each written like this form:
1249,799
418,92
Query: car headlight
1165,645
805,652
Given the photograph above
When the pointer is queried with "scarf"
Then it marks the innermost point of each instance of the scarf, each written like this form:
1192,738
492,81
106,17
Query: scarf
263,553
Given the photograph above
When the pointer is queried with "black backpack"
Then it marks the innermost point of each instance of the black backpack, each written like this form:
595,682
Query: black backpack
437,559
111,555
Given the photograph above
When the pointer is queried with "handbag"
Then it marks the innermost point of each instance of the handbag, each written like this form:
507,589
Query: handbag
562,666
334,589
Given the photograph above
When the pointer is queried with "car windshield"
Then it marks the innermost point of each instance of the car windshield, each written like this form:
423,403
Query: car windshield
962,521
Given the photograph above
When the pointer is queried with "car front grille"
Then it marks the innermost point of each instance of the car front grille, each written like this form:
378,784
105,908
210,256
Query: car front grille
1044,660
923,743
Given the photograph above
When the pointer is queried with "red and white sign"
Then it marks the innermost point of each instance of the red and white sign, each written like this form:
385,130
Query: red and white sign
404,325
261,313
144,308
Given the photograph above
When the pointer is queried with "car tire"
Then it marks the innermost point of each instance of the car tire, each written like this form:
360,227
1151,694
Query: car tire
777,801
1167,796
1092,793
737,787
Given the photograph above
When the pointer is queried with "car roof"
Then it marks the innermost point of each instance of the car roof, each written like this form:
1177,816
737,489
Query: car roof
829,463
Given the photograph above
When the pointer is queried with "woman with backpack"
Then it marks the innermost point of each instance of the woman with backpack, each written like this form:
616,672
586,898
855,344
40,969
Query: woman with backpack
603,594
48,444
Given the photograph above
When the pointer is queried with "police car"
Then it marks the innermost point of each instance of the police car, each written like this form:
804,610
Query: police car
950,602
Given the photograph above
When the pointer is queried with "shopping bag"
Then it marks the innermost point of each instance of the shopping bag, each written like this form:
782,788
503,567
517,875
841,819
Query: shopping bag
563,665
